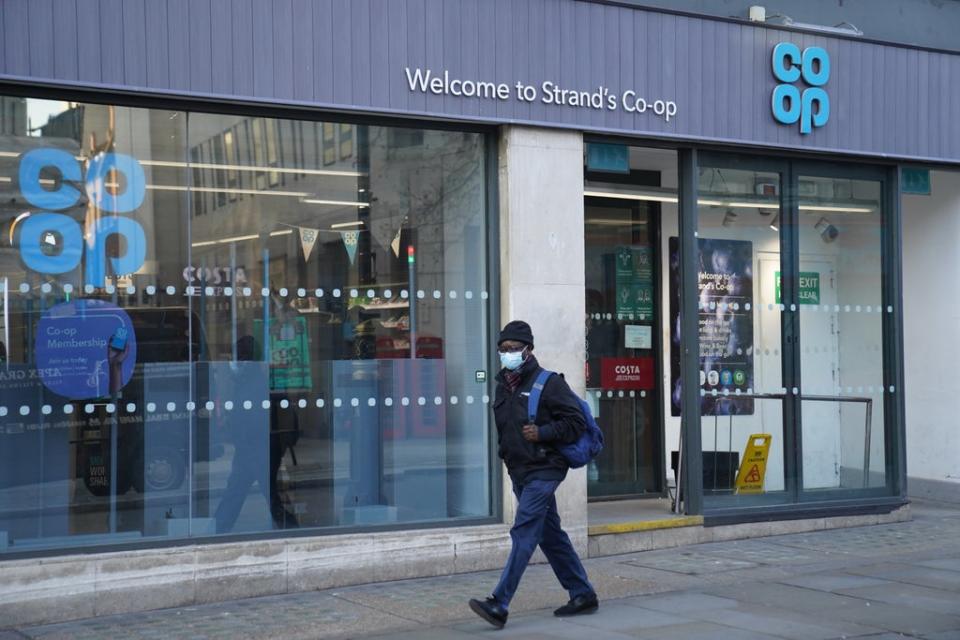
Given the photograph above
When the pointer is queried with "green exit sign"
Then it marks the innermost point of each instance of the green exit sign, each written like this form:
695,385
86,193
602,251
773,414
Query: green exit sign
809,287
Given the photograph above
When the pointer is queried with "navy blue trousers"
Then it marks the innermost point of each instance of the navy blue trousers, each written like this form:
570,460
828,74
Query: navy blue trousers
538,523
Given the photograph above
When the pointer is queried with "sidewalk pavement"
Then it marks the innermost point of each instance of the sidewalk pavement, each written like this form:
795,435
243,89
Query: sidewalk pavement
878,582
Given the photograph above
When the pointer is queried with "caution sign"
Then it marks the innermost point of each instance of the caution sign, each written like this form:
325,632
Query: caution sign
754,467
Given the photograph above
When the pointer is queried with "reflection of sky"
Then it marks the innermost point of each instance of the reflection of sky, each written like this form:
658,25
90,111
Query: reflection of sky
40,111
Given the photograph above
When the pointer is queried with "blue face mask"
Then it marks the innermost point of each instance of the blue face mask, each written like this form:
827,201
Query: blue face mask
512,360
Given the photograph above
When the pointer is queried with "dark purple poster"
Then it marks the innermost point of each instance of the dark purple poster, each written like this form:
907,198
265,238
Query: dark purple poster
85,349
725,318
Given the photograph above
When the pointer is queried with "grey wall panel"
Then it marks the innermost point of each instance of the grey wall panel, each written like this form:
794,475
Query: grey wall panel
351,55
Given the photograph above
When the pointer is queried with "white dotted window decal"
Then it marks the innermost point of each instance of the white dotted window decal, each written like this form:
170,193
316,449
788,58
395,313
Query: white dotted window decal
726,392
191,405
468,295
320,403
750,391
599,394
283,292
388,402
337,402
889,309
88,408
891,388
421,401
151,407
736,392
302,403
421,294
486,399
454,400
354,402
609,394
110,289
228,405
405,401
747,306
68,408
264,292
703,392
265,404
111,407
228,291
438,401
247,405
371,402
68,288
284,403
437,295
88,288
131,290
210,405
453,295
301,292
633,394
643,394
24,410
484,295
46,410
46,288
469,399
3,411
404,294
131,407
336,293
769,307
620,394
387,293
171,406
371,293
354,293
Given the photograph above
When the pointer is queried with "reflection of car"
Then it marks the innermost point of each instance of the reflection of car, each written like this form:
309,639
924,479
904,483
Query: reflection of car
152,446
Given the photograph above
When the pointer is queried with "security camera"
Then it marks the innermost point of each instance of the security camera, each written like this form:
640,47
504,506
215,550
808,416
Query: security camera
828,232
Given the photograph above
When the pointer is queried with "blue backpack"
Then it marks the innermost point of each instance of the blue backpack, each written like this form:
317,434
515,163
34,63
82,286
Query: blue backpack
588,445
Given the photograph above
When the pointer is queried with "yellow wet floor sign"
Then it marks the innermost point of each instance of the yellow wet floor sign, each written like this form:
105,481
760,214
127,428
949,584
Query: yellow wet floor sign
754,467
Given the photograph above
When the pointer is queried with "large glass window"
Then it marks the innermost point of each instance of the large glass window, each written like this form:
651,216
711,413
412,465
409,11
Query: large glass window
220,324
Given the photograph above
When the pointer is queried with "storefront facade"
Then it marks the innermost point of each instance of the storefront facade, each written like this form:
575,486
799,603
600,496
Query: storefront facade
256,253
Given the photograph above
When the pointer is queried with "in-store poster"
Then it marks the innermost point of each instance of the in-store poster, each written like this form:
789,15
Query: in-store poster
85,349
289,353
725,318
634,272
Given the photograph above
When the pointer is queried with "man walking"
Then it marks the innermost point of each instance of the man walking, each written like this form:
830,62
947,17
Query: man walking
536,468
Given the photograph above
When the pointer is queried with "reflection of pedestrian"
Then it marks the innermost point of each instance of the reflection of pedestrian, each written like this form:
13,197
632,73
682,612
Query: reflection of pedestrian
247,463
536,468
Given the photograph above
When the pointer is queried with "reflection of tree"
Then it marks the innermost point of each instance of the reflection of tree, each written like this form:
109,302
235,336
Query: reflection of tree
93,212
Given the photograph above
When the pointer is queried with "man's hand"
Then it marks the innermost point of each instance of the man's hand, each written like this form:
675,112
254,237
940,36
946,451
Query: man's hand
531,433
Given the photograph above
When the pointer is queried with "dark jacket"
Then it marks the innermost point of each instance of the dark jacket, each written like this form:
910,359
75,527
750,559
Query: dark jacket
559,418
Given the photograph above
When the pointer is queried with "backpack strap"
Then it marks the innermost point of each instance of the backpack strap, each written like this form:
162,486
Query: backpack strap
534,400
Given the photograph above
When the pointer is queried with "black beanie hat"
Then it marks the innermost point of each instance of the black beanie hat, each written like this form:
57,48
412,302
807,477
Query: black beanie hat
517,330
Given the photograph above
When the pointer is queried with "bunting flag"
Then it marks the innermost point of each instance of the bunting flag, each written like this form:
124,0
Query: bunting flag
395,244
350,243
308,238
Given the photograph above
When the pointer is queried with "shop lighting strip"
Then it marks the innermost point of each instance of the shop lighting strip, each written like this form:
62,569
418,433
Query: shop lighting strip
241,167
719,203
209,243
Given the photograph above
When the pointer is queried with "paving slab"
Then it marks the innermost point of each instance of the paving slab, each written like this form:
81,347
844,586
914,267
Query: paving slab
871,582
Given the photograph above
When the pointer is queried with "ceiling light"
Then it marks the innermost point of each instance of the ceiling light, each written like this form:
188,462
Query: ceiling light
775,223
242,167
340,225
337,203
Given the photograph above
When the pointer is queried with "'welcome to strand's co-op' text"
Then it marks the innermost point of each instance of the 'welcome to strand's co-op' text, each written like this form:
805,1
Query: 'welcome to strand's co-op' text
548,93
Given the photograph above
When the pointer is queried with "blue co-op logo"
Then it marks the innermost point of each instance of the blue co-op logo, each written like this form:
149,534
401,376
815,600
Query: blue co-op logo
54,242
811,107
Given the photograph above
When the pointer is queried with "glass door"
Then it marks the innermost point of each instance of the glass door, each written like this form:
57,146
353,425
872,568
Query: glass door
622,345
796,332
840,299
743,407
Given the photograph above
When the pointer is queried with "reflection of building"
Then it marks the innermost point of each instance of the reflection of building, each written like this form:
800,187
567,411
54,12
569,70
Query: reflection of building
329,251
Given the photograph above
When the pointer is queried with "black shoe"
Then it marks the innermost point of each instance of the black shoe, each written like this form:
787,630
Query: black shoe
579,606
490,611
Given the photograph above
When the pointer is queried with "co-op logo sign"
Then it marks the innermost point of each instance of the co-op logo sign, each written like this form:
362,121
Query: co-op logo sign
54,242
807,104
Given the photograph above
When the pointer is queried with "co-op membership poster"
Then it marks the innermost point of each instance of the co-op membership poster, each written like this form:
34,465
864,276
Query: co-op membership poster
725,292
